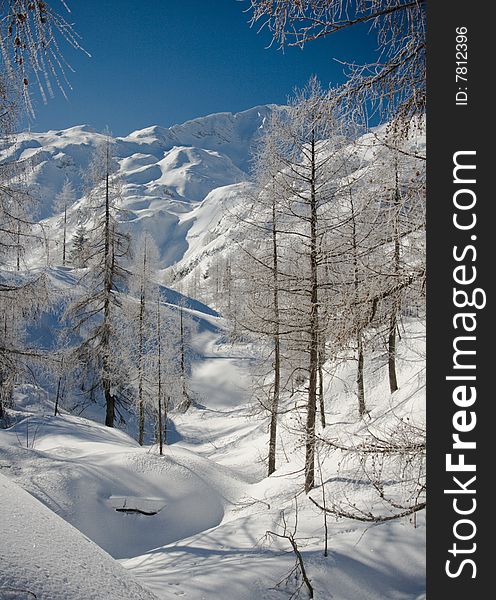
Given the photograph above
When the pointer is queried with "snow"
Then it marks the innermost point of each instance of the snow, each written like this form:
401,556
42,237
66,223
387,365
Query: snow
232,134
87,513
42,554
211,500
166,173
187,185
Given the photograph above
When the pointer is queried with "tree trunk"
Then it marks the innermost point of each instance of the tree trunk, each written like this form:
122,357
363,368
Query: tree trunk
141,423
359,326
160,431
277,349
141,351
161,426
186,402
18,251
64,238
166,416
360,383
106,382
110,404
57,397
321,392
314,336
393,379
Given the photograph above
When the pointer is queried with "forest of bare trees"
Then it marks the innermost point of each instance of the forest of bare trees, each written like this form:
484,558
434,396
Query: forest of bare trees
330,268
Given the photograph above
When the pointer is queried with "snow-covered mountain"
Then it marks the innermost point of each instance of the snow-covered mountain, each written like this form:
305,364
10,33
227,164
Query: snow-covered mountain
167,173
184,162
185,185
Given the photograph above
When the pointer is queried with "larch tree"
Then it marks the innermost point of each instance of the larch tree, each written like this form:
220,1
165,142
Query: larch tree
399,174
162,402
142,317
79,252
96,312
313,142
184,343
63,201
305,143
167,384
352,222
260,303
23,291
30,36
394,83
30,49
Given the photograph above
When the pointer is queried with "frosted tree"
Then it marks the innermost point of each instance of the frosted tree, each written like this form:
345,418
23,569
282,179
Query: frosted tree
22,298
30,33
167,384
30,36
397,183
162,402
389,454
185,331
159,340
22,291
312,142
142,316
63,201
79,252
167,364
96,313
304,145
395,82
258,268
352,226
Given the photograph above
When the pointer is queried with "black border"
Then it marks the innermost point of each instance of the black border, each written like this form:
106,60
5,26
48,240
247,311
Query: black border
452,128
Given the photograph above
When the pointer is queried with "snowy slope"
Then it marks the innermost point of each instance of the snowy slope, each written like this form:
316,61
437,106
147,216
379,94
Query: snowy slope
235,560
84,473
231,134
193,522
217,226
184,162
212,500
165,173
42,556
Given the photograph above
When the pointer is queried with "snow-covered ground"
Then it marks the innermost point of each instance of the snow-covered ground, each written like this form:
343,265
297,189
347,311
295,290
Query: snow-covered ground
42,556
208,501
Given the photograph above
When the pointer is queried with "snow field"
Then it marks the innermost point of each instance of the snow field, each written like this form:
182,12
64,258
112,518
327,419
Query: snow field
208,539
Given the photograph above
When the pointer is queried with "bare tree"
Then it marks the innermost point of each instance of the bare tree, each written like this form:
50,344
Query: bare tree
29,45
63,201
289,534
395,81
184,349
142,317
96,311
22,290
30,35
299,162
260,312
80,250
389,457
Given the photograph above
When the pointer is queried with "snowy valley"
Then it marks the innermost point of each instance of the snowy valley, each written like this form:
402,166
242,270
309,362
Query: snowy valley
89,511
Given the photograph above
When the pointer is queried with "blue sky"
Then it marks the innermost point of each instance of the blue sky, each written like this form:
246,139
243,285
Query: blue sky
165,61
